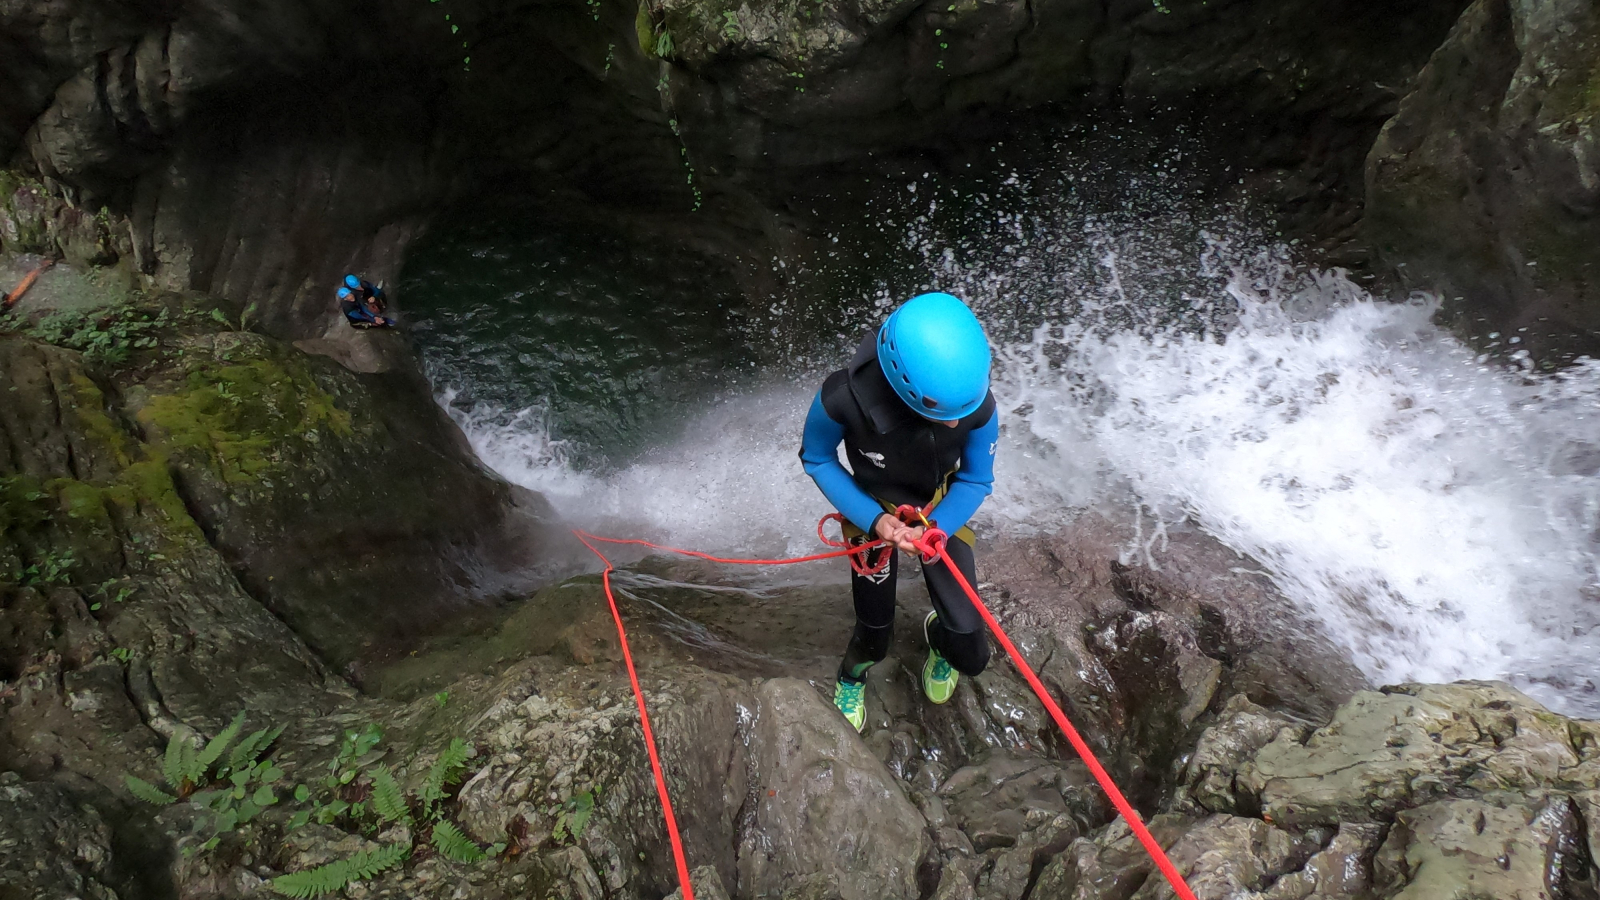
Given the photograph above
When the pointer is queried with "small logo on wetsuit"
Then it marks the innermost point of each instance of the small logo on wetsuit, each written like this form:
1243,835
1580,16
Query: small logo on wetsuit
876,458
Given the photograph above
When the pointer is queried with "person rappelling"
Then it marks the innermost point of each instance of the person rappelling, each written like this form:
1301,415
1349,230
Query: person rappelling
363,304
919,428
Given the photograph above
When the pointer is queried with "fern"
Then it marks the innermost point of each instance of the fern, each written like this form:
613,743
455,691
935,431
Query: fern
251,748
336,876
148,792
446,770
213,750
388,800
172,766
313,882
193,772
368,863
452,843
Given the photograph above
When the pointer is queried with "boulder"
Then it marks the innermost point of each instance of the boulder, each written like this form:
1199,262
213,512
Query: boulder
1510,847
1484,186
824,807
1399,748
1223,749
996,801
349,505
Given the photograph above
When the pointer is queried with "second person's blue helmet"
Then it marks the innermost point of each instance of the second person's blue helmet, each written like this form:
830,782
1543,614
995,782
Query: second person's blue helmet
936,356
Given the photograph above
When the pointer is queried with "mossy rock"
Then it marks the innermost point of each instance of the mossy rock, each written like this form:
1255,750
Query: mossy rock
24,222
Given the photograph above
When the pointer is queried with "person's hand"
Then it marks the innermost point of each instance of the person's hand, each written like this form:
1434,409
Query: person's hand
898,533
912,534
890,529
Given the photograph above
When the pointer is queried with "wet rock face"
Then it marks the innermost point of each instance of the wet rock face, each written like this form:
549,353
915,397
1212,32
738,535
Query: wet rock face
258,152
1300,89
118,622
1469,789
1485,186
50,847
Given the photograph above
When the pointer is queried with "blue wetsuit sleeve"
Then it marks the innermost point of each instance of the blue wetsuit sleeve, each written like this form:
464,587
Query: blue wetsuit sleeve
974,480
819,454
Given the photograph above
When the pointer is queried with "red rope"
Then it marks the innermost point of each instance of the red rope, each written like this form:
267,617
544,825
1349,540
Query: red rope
932,545
644,721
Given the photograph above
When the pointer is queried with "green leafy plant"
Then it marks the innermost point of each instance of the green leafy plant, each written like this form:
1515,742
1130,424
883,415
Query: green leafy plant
445,771
453,843
574,816
104,338
54,568
664,44
455,31
388,800
229,777
114,590
336,876
361,792
731,29
235,790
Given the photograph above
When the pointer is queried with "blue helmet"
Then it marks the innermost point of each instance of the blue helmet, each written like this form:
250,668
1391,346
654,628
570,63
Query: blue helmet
352,282
936,356
344,293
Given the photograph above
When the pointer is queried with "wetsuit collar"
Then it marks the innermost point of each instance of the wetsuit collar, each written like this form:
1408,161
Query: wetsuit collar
883,407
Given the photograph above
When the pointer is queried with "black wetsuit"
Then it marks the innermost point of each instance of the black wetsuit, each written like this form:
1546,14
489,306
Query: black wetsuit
355,308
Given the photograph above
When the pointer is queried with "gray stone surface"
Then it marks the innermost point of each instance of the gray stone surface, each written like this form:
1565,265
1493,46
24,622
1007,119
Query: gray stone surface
823,805
1511,847
50,847
1242,729
1398,749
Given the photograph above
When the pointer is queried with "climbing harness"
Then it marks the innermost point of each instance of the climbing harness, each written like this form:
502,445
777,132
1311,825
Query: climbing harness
859,560
931,547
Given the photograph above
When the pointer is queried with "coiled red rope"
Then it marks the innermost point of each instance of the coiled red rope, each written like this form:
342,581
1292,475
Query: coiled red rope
932,547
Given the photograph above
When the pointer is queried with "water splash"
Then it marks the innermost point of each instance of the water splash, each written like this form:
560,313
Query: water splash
1439,512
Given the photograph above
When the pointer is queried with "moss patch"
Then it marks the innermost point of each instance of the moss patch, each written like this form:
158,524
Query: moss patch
130,499
240,414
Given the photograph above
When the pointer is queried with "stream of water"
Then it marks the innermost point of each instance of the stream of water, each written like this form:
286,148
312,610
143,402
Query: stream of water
1439,511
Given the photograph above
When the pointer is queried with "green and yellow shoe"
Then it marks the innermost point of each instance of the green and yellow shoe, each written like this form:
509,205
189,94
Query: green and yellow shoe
850,697
938,677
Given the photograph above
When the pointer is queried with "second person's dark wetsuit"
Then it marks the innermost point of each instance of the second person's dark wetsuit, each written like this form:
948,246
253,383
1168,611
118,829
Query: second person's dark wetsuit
898,457
355,307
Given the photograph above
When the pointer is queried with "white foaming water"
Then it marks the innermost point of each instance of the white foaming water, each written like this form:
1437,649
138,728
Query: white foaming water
1437,512
732,483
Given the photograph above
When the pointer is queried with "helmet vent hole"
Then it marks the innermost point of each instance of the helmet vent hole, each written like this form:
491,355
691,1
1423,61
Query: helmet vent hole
930,403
